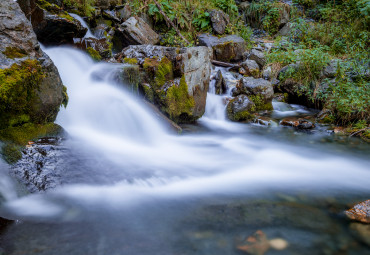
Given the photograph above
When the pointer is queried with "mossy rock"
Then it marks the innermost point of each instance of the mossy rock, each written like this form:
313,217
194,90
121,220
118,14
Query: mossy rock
94,54
13,52
179,104
260,104
15,138
18,86
241,108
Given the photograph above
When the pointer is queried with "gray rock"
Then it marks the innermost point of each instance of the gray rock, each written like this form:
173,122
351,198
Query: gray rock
257,56
125,13
240,108
53,26
267,73
111,15
191,63
220,83
330,71
227,49
219,21
252,86
251,67
17,35
102,46
286,30
135,31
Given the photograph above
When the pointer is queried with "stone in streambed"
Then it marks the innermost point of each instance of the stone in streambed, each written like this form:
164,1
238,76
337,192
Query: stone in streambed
360,212
240,108
299,123
220,83
31,88
178,78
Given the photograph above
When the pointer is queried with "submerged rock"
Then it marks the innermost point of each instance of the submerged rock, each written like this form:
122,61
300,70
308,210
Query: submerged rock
134,31
360,212
297,123
31,88
227,49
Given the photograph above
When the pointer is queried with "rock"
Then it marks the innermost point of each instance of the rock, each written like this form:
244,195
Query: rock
257,56
4,223
170,72
360,212
219,21
240,108
297,123
29,80
105,4
52,25
125,13
267,73
330,71
284,14
226,49
286,30
134,31
100,46
251,67
111,15
361,231
278,244
265,121
325,116
220,83
257,87
257,244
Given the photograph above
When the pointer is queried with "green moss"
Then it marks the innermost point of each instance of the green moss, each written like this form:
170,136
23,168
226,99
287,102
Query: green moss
179,104
13,52
17,137
18,86
132,76
65,97
239,116
11,153
148,92
94,54
164,72
260,104
66,16
21,135
131,61
227,51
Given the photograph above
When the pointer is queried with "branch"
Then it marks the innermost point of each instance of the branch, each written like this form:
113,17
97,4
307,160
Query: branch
360,131
169,21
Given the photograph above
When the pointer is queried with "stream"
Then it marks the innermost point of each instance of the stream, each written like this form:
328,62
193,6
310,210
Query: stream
131,186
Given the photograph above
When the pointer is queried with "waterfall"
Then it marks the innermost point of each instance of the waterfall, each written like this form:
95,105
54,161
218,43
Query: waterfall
89,34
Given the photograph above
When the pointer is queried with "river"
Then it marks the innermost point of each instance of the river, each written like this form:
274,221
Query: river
131,186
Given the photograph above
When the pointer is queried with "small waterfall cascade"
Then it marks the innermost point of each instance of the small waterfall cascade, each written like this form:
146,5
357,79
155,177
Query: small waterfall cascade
89,34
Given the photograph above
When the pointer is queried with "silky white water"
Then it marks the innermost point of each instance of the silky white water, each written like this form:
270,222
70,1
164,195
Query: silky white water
109,122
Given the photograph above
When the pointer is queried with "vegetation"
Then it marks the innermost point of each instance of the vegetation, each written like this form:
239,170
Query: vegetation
191,17
81,7
18,85
340,32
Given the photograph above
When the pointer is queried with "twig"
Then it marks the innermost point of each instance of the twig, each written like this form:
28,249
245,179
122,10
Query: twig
223,64
169,22
361,130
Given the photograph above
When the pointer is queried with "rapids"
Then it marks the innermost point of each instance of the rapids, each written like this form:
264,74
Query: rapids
213,160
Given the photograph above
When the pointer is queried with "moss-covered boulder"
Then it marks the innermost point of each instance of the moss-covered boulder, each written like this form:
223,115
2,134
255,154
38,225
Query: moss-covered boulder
169,73
255,87
31,90
240,108
52,25
227,49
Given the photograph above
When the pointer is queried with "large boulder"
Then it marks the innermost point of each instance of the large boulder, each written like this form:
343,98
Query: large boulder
177,78
52,25
219,21
134,31
257,87
30,86
227,49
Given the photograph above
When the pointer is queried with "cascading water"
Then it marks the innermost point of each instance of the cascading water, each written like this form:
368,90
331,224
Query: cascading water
167,172
89,34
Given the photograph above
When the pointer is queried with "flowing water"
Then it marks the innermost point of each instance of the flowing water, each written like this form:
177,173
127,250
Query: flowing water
132,187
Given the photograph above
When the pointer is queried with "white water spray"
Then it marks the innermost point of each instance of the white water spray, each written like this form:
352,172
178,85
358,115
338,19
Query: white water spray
113,124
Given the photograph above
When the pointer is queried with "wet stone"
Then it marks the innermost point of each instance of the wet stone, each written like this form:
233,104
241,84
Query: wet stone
360,212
